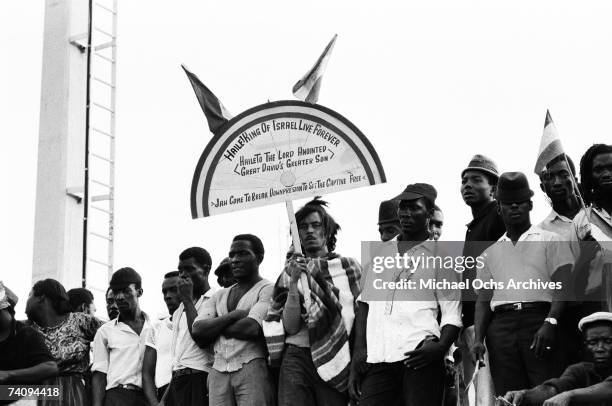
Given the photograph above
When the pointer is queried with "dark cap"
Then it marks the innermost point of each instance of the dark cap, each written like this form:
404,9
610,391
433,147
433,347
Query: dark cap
223,267
387,212
122,278
418,190
513,187
483,164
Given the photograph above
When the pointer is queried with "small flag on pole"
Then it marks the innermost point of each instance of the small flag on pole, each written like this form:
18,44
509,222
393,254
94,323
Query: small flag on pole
307,88
215,112
550,146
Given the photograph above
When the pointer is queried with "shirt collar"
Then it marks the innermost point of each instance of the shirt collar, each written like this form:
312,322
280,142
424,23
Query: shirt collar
483,212
554,216
533,230
208,294
146,318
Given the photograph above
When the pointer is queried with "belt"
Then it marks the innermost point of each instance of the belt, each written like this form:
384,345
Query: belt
186,371
128,386
509,307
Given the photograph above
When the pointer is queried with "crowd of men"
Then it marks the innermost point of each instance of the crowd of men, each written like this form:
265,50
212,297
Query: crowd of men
315,338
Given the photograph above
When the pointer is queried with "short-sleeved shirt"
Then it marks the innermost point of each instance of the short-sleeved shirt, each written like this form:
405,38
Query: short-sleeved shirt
486,228
232,353
397,325
534,259
69,341
185,352
160,339
24,348
118,352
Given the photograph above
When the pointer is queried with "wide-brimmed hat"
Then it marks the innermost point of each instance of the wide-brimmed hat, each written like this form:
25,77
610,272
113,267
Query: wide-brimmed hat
418,190
513,187
483,164
387,212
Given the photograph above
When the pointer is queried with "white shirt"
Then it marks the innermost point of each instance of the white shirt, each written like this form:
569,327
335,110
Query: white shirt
399,323
160,339
535,257
563,226
232,353
185,351
118,352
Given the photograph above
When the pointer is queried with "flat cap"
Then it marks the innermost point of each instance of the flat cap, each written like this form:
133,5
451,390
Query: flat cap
597,316
416,191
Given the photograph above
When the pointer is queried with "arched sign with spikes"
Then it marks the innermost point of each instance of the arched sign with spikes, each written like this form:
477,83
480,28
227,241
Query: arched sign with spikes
281,151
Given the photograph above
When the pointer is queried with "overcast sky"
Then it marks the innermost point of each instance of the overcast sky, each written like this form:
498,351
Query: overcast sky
430,83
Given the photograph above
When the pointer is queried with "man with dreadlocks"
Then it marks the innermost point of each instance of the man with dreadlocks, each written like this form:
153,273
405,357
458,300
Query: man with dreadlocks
595,224
313,342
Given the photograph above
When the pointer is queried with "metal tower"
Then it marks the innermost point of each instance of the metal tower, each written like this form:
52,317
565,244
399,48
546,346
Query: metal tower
73,235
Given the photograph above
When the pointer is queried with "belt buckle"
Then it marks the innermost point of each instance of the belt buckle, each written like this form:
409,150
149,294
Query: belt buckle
517,306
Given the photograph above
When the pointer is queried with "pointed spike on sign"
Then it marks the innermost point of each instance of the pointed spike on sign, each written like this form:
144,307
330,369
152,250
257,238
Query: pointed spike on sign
215,112
550,145
548,119
308,87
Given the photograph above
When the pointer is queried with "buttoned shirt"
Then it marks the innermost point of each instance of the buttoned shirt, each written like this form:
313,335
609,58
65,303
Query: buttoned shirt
400,319
232,353
160,339
118,352
185,351
563,226
535,257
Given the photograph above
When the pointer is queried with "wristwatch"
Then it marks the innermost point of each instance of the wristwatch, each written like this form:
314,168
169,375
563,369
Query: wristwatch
551,320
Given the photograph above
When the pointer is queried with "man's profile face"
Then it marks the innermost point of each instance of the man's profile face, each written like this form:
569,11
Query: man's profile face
413,216
602,172
475,188
243,260
557,182
388,231
226,279
170,292
90,309
312,233
111,306
435,224
598,340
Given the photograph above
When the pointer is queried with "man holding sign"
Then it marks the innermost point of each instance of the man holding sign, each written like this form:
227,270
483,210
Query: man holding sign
315,362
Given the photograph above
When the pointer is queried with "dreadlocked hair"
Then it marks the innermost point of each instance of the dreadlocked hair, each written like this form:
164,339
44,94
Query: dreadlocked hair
586,171
329,224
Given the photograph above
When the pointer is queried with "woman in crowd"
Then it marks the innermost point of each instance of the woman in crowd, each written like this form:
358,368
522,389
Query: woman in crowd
67,335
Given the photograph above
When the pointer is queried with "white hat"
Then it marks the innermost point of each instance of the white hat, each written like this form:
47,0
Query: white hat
597,316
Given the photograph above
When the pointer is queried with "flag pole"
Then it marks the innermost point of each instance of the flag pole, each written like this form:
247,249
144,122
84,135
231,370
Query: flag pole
574,183
297,246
